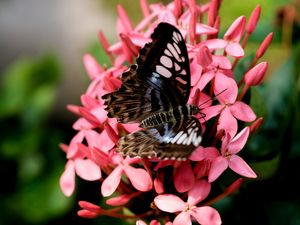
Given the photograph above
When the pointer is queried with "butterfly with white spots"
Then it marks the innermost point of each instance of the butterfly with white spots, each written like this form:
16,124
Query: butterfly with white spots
154,93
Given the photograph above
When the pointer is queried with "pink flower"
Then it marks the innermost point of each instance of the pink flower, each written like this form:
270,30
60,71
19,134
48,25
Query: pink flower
84,168
169,186
188,210
138,177
230,110
228,158
231,40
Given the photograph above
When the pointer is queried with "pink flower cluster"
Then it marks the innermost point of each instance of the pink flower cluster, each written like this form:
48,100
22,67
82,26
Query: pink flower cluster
173,191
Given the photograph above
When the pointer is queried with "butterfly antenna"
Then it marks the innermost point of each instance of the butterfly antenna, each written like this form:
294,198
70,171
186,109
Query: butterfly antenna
212,99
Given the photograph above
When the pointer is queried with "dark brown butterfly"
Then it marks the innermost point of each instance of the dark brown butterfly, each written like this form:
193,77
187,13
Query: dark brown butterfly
155,92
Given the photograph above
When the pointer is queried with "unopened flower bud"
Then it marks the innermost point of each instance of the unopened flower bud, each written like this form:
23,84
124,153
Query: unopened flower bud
253,19
256,125
264,46
255,75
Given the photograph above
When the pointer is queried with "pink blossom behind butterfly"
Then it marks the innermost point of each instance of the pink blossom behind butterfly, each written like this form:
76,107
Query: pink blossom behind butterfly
170,191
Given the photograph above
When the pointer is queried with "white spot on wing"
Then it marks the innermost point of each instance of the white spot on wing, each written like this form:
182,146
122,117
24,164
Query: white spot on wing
163,71
197,140
177,48
176,137
177,67
182,138
178,36
167,52
175,36
181,80
166,61
173,51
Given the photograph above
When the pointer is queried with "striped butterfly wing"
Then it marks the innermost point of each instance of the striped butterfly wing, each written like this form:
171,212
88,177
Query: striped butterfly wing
173,140
158,82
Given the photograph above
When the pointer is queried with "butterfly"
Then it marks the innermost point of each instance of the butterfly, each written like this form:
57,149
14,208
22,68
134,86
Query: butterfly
154,93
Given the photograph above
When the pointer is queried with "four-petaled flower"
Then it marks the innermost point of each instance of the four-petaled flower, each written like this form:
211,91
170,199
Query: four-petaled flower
204,215
228,158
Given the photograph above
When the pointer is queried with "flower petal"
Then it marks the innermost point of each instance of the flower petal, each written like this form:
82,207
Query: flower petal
73,147
204,79
242,111
225,89
236,30
196,71
140,222
211,111
204,56
169,203
199,192
184,177
235,49
201,169
206,215
139,178
238,165
111,182
67,179
87,169
239,141
227,123
92,66
183,218
213,44
218,166
205,29
158,185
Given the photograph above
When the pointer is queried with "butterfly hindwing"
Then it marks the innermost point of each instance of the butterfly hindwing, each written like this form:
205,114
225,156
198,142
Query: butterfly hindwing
173,140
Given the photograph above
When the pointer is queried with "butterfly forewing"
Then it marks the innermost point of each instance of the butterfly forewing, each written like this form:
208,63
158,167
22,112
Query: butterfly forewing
158,82
165,64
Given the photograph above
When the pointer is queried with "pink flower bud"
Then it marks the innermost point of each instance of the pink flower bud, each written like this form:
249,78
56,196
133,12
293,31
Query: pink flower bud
204,57
89,117
264,46
234,186
145,8
89,210
177,8
124,19
105,45
119,200
111,133
256,124
193,20
255,75
213,11
253,19
133,49
236,30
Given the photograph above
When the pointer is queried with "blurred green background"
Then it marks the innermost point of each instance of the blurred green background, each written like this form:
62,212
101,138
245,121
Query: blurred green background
42,44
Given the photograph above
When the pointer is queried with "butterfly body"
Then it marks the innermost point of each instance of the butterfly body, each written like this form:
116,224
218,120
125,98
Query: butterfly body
154,93
179,113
